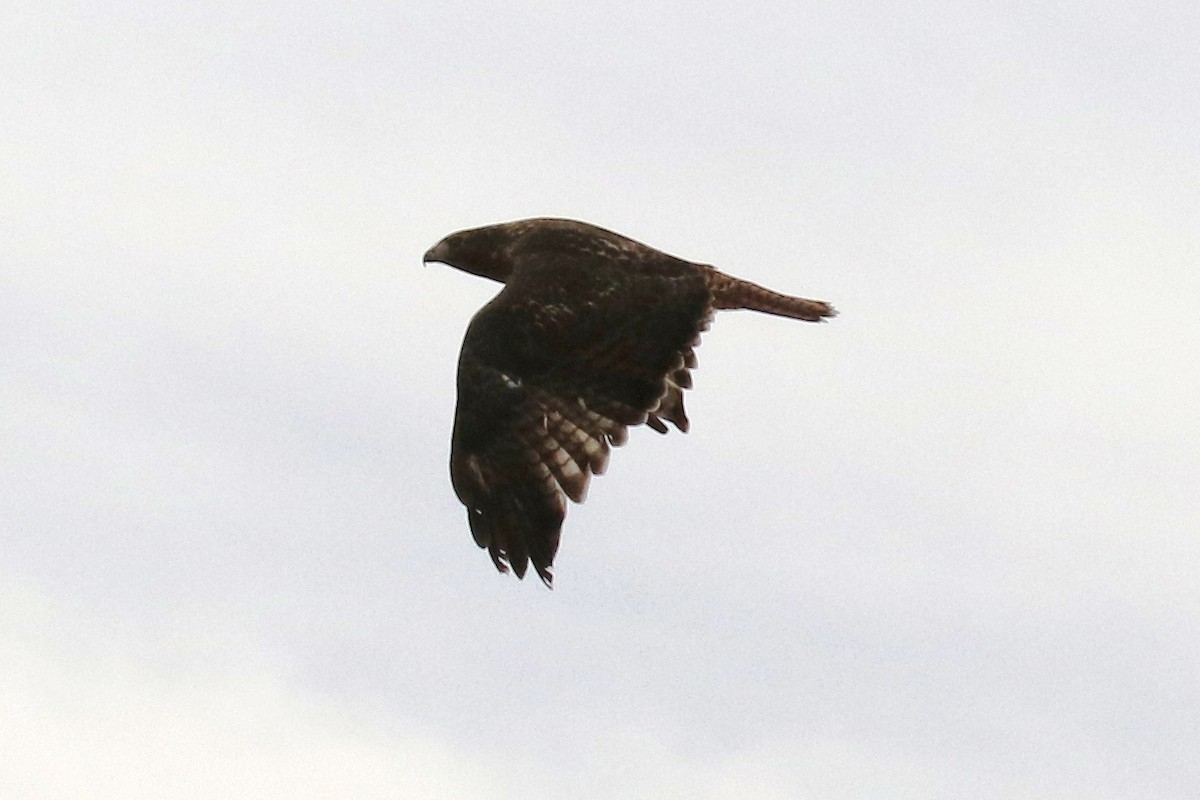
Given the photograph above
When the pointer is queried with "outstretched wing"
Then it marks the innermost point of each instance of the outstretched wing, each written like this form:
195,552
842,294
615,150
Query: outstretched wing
551,374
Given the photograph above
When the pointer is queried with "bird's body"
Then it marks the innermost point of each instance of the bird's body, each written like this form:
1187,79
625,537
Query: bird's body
592,333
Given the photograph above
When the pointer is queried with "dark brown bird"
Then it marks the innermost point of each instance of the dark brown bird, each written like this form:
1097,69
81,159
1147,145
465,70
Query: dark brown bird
592,333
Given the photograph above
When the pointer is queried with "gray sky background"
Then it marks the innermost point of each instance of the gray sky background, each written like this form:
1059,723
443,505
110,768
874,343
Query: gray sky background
945,546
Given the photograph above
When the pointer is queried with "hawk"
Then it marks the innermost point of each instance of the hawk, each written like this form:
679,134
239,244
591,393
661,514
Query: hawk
592,333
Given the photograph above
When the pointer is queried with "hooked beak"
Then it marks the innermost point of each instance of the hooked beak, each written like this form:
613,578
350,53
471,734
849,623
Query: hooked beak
435,253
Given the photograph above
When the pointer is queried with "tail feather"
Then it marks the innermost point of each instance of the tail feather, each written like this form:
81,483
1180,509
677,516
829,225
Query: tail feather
730,292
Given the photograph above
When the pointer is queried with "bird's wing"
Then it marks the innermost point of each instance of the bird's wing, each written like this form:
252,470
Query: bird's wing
551,374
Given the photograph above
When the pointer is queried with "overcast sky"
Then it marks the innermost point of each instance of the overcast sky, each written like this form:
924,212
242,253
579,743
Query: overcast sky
945,546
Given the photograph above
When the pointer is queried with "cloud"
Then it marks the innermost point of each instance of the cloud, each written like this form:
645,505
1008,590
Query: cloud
100,709
94,708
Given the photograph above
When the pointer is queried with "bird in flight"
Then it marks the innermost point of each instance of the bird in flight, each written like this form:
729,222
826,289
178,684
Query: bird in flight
592,333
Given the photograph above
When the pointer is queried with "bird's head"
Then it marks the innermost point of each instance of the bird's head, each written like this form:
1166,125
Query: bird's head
479,251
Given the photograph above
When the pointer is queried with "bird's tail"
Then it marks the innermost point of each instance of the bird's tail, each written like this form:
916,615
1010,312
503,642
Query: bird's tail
731,292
